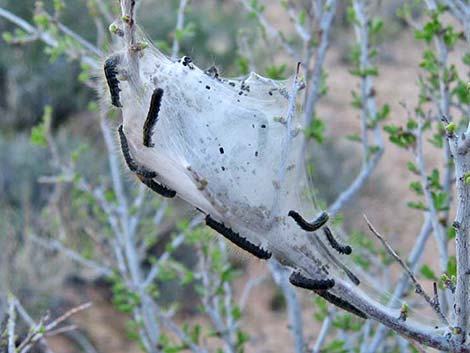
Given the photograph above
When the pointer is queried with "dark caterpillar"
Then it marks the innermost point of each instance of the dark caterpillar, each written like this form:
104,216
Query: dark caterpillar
237,239
144,174
131,163
340,303
307,226
298,280
111,78
158,188
342,249
152,116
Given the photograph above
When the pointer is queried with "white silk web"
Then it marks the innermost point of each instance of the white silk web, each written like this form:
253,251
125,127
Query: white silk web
230,148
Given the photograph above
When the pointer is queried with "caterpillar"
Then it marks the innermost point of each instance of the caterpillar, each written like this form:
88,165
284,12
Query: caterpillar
131,163
152,116
298,280
322,247
307,226
145,175
237,239
342,249
158,188
340,303
111,78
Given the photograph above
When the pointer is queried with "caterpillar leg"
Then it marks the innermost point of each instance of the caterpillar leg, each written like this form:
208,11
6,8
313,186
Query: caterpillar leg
340,303
152,117
298,280
309,226
111,73
236,239
144,174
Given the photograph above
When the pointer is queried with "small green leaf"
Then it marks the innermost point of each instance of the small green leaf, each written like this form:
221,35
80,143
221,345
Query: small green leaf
428,273
38,133
416,187
466,178
412,167
316,130
452,266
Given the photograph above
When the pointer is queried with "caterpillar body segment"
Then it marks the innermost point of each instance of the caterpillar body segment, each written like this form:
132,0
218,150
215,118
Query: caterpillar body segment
238,240
319,222
152,117
340,303
144,174
298,280
110,72
158,188
131,163
342,249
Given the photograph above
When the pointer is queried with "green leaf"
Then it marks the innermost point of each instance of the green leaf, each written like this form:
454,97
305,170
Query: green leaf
316,130
351,16
7,37
419,205
452,266
38,133
383,113
243,65
451,233
412,167
335,346
437,140
376,25
429,30
276,72
434,180
354,138
302,17
428,273
416,187
462,92
466,59
440,200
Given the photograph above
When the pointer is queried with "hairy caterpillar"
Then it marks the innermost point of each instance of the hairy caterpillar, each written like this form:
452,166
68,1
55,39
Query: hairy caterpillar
152,116
111,78
298,280
158,188
340,303
145,175
319,222
131,163
342,249
237,239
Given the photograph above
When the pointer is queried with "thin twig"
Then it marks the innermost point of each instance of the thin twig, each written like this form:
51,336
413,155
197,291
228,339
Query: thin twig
280,277
419,288
325,328
11,324
67,314
271,31
56,245
179,27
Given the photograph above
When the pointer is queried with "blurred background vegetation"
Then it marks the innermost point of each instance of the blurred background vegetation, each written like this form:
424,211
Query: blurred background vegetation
214,30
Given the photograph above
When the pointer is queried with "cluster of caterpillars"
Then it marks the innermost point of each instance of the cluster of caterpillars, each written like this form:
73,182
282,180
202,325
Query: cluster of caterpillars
147,176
